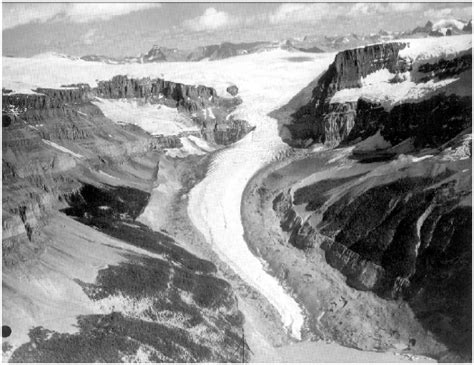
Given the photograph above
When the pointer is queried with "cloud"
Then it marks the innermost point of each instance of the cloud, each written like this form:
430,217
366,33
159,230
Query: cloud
86,12
211,19
88,37
15,14
457,13
296,13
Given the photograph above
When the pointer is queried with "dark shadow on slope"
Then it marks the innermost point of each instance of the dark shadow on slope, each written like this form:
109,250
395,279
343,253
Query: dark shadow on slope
178,285
429,266
285,114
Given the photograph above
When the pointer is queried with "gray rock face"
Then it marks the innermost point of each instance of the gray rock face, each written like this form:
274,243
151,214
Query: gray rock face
55,103
190,97
402,236
333,123
409,239
233,90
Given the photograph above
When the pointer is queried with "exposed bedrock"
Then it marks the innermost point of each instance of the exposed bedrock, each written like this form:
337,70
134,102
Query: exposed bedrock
430,122
67,134
347,70
216,127
190,97
158,302
332,123
198,101
50,143
407,239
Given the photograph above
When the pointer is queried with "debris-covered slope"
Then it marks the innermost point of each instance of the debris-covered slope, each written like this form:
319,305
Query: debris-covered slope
393,212
98,286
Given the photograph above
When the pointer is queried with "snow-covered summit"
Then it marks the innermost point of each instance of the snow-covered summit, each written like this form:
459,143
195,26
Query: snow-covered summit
389,88
445,24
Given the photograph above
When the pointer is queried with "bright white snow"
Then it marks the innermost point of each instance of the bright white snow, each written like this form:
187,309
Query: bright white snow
155,119
192,145
214,205
376,87
61,148
375,142
427,49
444,24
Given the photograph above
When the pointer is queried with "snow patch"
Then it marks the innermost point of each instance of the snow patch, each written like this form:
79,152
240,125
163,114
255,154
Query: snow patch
375,142
448,23
210,114
155,119
425,49
192,145
106,174
61,148
376,87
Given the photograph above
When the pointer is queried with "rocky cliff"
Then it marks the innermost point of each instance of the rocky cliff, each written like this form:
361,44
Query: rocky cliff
393,224
216,127
401,230
189,97
331,118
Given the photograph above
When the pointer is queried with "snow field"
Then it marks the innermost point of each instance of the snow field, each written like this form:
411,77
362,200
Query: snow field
155,119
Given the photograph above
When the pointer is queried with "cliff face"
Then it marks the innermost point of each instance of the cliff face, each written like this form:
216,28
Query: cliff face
48,140
65,131
190,97
399,228
150,299
342,121
195,100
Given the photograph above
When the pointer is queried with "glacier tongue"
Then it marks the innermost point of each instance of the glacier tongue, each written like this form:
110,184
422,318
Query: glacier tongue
214,205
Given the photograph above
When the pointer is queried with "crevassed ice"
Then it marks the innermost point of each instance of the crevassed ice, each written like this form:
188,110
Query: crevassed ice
214,205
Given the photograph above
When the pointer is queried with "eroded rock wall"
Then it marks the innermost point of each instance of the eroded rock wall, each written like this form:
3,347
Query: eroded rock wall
334,123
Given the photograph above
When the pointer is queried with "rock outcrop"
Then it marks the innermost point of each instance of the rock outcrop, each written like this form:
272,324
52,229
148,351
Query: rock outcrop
333,123
402,235
233,90
401,229
216,127
157,302
190,97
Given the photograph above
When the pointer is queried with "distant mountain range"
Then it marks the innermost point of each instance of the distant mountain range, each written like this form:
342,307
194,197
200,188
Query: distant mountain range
309,43
211,52
444,27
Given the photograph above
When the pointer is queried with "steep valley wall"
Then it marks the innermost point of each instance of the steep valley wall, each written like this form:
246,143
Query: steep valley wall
157,302
403,233
341,122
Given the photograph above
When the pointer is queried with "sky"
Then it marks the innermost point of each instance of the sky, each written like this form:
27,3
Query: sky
127,29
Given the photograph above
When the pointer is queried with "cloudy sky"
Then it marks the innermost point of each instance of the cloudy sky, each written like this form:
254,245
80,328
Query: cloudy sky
118,29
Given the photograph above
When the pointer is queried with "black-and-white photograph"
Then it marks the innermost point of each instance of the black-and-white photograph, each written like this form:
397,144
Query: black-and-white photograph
237,182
